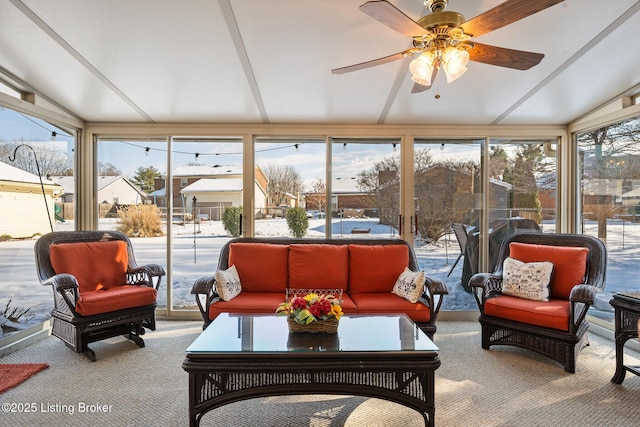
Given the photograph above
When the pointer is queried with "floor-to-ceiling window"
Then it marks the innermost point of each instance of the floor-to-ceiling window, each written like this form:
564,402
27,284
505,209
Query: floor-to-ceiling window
448,203
290,197
36,197
609,202
365,187
205,208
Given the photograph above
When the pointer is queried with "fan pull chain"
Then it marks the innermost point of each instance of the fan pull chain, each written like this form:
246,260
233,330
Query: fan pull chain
437,90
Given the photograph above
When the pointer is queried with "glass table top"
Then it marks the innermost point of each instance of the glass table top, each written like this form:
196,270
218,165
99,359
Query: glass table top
236,333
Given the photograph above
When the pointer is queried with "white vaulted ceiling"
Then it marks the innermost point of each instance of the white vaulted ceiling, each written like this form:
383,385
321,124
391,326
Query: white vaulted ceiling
269,61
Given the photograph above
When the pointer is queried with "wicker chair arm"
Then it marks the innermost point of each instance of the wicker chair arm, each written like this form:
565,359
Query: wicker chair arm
583,293
144,276
487,281
203,286
61,282
66,291
156,270
204,290
436,286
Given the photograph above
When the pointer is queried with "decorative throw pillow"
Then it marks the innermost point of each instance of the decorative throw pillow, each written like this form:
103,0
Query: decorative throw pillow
529,280
410,285
228,283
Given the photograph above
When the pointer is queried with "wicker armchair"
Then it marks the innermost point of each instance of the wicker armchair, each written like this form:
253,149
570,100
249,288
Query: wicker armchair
98,289
554,328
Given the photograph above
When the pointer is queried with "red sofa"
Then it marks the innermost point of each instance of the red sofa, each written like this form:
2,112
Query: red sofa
365,269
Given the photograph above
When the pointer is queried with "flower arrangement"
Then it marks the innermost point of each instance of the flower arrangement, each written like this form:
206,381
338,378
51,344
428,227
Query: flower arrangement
311,307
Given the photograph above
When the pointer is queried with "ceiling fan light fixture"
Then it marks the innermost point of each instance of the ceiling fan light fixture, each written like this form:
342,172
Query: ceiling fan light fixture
454,62
421,68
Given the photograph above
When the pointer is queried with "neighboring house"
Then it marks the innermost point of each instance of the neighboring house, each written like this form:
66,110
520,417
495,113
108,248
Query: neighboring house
115,190
214,187
23,212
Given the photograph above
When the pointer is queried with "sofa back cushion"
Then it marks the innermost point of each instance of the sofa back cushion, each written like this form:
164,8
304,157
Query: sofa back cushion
262,267
95,265
318,266
376,268
569,264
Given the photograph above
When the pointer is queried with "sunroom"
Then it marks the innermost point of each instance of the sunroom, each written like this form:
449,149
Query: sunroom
230,97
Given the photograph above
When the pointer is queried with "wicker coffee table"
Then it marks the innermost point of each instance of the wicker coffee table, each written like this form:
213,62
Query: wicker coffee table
246,356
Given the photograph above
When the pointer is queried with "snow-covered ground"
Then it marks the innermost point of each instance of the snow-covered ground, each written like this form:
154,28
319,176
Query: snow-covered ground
195,250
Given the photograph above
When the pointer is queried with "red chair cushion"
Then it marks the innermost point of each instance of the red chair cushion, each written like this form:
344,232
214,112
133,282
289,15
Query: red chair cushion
376,268
113,299
317,266
95,265
262,267
248,302
552,314
388,303
569,264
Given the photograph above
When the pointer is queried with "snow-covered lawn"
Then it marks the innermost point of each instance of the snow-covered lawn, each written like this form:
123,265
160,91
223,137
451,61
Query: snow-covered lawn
196,254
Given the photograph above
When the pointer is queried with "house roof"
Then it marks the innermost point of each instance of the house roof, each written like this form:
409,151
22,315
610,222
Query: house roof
206,170
13,174
68,183
207,185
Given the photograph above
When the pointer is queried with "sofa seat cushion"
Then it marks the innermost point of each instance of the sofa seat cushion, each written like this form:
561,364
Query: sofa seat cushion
318,266
117,298
552,314
95,265
376,268
262,267
388,303
569,264
248,302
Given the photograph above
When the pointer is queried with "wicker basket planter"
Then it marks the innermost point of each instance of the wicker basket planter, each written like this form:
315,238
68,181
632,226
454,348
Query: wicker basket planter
329,326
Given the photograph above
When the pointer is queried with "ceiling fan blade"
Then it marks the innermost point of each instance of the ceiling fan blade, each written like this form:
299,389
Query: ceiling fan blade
374,62
392,17
417,87
504,14
503,57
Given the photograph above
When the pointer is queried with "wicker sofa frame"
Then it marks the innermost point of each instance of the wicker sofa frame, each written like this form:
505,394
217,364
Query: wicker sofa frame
561,346
77,331
434,290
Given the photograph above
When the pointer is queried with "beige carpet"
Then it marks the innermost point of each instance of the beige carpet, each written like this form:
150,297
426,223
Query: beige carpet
504,386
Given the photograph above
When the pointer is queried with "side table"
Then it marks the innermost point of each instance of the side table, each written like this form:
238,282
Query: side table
627,311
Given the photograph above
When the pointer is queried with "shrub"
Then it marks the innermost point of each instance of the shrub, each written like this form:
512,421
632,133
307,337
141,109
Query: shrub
231,220
140,221
297,221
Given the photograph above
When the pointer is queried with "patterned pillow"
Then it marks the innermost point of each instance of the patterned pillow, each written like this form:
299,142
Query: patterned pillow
228,283
410,285
529,280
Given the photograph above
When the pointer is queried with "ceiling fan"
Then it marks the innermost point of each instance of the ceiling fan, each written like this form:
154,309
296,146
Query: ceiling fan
442,39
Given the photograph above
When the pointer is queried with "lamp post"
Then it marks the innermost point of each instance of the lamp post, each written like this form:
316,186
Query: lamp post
46,204
193,215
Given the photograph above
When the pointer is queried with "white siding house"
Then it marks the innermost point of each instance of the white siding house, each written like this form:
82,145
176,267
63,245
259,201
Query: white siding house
23,212
116,190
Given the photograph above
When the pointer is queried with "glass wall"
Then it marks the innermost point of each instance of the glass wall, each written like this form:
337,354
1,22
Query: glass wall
36,197
609,178
205,208
290,178
448,204
129,170
365,188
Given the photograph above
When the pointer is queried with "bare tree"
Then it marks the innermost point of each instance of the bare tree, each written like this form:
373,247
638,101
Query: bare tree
283,180
383,181
52,162
107,169
317,196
